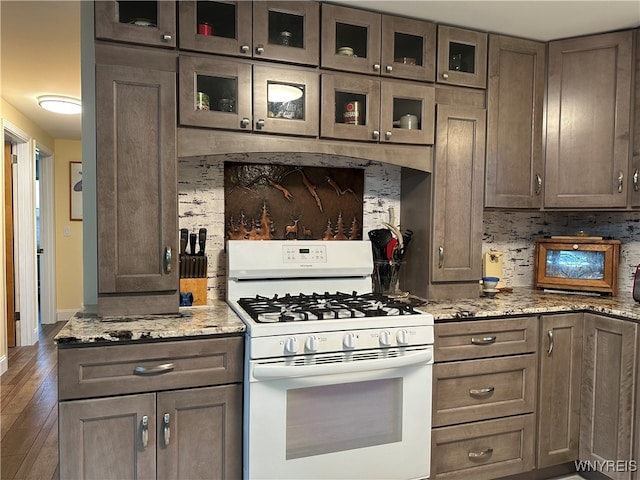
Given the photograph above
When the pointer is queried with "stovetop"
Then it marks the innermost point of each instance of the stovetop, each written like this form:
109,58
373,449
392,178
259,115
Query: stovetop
324,306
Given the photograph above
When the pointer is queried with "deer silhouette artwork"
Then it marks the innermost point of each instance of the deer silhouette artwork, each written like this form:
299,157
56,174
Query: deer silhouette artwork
289,229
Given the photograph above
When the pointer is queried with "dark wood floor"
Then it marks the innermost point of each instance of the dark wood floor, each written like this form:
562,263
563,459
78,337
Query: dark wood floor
29,410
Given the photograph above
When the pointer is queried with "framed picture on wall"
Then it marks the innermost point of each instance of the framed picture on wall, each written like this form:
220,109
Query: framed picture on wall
75,195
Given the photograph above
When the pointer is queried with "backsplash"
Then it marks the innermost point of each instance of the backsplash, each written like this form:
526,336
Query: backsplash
201,197
201,204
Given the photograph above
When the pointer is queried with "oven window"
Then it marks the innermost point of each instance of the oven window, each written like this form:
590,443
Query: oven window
334,418
575,264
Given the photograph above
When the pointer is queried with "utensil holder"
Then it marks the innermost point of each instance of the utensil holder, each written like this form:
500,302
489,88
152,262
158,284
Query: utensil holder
385,277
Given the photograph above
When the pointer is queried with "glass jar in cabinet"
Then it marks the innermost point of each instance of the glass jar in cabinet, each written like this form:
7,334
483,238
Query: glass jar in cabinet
286,31
350,39
408,48
215,93
216,27
285,100
462,57
142,22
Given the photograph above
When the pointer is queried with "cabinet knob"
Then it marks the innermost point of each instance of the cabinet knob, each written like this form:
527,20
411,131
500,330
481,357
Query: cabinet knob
389,68
440,256
375,134
166,430
166,37
636,187
167,259
144,431
445,75
480,454
260,124
387,135
244,123
550,335
620,181
538,184
376,67
260,49
244,49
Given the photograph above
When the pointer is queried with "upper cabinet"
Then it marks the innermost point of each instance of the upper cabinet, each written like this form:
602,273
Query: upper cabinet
635,165
588,121
462,57
143,22
282,31
515,101
368,42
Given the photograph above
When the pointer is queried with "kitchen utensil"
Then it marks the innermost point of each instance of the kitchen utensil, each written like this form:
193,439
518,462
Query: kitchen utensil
636,284
379,239
489,283
391,248
184,238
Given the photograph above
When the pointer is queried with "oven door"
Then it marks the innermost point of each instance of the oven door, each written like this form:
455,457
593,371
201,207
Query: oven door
367,416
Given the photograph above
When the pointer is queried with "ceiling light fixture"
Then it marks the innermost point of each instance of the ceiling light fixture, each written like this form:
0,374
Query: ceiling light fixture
59,104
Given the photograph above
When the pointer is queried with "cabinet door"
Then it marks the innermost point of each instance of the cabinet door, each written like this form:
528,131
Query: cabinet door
350,107
589,96
148,23
137,168
108,438
287,31
462,57
285,100
350,39
215,93
515,101
608,384
407,113
408,48
635,166
200,433
215,27
458,179
559,389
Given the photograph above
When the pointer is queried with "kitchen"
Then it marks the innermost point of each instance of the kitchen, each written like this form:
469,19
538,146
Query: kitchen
193,193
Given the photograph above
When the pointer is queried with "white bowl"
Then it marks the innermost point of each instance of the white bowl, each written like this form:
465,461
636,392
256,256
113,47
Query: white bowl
489,282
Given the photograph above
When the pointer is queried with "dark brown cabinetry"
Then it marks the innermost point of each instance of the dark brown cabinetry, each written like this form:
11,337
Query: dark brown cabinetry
137,191
271,30
365,108
367,42
462,57
143,22
588,122
515,101
236,95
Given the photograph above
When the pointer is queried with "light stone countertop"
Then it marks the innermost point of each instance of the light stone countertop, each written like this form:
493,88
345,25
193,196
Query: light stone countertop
87,328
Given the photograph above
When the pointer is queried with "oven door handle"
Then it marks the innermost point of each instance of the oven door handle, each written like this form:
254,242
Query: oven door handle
266,372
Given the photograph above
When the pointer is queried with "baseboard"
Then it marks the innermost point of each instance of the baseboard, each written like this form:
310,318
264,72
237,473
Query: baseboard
4,364
65,315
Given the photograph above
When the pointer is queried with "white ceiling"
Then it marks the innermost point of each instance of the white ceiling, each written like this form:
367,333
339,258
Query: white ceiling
40,40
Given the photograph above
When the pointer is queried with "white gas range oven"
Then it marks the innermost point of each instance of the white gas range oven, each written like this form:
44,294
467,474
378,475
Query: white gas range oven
337,379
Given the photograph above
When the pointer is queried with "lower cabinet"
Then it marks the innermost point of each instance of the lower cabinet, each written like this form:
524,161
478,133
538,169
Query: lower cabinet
194,434
559,388
165,410
608,394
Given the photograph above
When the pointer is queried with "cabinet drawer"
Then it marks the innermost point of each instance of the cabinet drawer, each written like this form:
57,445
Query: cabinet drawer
481,389
86,372
485,338
484,450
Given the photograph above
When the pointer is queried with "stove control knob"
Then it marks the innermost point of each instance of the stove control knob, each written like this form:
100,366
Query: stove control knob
311,344
402,337
290,346
385,338
349,341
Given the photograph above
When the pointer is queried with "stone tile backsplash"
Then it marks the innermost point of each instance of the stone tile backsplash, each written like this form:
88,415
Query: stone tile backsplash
201,204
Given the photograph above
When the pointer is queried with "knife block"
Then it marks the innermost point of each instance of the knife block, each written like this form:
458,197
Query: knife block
197,287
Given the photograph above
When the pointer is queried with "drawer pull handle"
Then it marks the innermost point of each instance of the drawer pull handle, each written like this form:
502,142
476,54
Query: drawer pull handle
481,391
483,340
144,431
166,431
157,370
481,454
550,335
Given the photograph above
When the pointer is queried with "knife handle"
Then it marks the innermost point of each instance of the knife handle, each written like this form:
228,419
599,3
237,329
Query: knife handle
184,238
202,240
192,243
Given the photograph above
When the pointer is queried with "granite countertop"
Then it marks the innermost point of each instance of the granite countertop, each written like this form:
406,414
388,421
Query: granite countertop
87,328
528,301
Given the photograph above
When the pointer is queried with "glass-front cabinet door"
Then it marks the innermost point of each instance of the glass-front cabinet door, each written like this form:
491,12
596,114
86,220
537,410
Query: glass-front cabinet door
350,107
215,26
462,57
350,39
286,31
408,48
215,93
285,100
407,114
143,22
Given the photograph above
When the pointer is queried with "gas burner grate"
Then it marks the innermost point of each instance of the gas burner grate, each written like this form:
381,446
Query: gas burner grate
323,306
